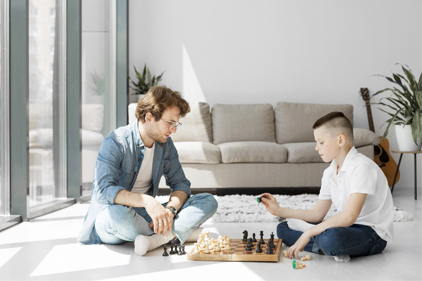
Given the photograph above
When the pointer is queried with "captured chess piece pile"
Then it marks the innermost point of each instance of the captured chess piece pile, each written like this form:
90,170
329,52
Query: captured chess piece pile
206,245
175,249
296,264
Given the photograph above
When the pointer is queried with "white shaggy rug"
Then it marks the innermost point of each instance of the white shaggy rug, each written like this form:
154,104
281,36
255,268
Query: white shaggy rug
245,208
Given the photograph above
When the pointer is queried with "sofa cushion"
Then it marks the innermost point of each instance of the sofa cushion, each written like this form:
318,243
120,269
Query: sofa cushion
198,152
91,138
294,120
232,123
92,117
252,152
363,137
196,125
302,152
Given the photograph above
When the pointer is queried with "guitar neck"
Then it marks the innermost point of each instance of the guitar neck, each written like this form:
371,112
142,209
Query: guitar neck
370,120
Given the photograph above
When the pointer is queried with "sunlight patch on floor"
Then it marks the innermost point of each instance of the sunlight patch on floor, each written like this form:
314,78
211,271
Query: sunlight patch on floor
75,257
7,254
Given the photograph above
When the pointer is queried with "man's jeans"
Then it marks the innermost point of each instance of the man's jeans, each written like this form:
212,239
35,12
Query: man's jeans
355,240
117,223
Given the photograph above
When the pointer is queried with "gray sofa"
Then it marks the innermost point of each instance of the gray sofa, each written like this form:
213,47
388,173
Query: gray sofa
257,145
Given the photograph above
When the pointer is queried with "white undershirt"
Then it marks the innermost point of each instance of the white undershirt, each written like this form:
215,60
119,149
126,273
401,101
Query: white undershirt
144,179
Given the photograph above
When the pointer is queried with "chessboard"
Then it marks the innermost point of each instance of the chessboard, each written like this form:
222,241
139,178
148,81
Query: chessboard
238,253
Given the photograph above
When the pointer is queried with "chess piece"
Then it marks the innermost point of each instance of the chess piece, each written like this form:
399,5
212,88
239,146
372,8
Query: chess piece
172,252
272,236
249,245
258,248
175,249
183,250
165,251
218,249
262,237
253,237
245,236
196,250
180,251
207,248
269,249
306,258
228,248
285,254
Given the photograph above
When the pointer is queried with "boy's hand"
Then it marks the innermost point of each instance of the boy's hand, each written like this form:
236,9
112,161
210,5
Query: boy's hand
299,246
270,203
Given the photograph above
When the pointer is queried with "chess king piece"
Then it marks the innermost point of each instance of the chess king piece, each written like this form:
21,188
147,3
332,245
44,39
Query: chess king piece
253,237
245,236
165,251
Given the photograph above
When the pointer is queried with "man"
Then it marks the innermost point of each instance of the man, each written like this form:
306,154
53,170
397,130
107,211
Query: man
130,163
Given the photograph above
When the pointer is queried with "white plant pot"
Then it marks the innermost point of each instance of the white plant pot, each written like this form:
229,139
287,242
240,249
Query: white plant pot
405,139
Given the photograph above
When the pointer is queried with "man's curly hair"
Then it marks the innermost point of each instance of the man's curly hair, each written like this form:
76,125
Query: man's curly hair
157,100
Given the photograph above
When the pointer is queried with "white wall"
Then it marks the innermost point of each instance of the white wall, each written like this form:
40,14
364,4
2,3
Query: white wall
261,51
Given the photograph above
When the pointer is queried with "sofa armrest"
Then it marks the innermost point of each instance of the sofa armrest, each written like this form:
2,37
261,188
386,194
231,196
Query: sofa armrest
364,137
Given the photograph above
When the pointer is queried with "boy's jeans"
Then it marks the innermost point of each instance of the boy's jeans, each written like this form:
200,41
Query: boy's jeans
355,240
117,223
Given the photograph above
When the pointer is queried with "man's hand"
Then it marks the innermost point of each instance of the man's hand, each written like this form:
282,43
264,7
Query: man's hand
270,203
162,218
299,246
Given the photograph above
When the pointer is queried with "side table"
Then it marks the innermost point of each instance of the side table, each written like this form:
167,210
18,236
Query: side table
398,166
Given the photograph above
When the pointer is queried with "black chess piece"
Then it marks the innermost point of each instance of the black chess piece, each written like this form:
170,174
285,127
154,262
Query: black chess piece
245,236
272,236
269,249
165,251
258,248
183,250
175,249
253,237
180,251
172,252
249,245
262,237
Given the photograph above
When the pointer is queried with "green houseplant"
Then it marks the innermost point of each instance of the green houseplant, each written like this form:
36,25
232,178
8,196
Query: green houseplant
145,81
99,83
404,105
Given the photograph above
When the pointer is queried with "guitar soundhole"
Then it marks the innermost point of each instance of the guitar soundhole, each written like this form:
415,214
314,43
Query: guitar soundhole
377,150
384,155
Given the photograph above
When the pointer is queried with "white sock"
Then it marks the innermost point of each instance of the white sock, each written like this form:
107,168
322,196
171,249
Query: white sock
195,235
144,244
342,258
298,225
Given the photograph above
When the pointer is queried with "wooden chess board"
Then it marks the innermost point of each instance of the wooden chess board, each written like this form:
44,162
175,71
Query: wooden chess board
238,253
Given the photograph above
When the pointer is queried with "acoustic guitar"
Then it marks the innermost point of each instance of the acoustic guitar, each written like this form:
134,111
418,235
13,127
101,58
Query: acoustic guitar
382,151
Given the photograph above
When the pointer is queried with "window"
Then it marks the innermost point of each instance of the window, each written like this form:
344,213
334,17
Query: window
4,114
53,12
98,83
47,129
34,30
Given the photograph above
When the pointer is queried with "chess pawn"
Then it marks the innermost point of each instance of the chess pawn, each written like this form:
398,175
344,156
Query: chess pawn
203,245
207,248
285,254
227,248
196,250
218,249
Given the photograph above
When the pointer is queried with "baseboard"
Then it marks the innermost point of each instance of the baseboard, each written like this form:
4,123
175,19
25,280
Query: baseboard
249,190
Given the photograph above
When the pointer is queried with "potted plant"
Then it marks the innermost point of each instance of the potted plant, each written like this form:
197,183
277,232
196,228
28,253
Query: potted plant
99,87
404,106
145,81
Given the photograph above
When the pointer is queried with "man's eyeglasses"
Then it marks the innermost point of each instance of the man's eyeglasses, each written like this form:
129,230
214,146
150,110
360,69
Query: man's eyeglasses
172,124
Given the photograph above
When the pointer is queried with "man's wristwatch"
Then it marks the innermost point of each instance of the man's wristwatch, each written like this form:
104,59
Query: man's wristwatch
173,210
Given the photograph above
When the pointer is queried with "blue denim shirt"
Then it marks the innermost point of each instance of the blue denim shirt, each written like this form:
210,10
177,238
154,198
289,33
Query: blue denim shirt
118,163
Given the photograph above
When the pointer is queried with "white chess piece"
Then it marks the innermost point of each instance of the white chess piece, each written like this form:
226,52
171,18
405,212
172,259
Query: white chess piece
196,251
207,248
218,249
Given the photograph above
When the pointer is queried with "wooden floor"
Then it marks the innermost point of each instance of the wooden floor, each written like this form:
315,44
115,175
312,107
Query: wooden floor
46,249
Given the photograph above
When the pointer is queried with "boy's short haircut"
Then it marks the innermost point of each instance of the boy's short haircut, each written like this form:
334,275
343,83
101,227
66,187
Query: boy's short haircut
336,120
157,100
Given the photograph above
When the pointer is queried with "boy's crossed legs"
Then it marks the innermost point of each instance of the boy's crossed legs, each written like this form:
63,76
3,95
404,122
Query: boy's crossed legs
339,242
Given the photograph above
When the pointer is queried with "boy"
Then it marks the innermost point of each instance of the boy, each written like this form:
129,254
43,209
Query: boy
358,189
130,164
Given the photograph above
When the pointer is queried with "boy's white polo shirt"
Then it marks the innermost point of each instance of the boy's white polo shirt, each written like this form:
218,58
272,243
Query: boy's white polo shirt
360,174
